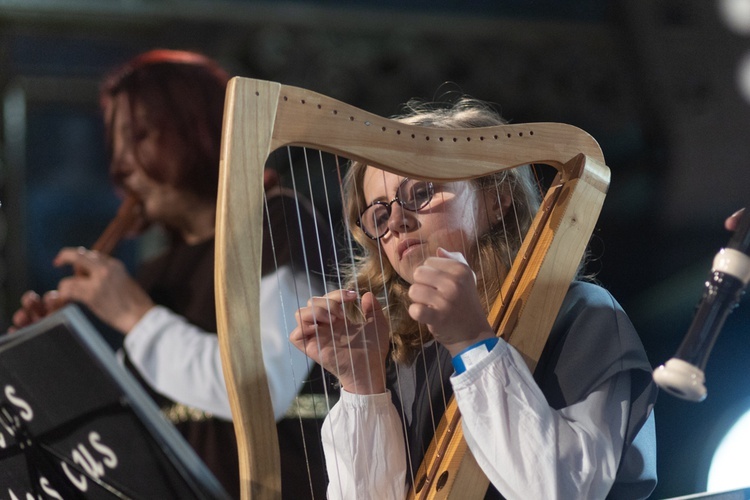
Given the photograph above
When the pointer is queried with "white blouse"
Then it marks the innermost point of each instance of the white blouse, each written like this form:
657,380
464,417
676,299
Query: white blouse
526,448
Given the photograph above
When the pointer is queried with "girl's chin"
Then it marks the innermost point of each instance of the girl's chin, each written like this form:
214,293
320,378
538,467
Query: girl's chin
406,270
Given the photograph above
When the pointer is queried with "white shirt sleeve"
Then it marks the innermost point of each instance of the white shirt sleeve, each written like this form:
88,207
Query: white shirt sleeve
179,360
527,449
183,362
364,448
535,451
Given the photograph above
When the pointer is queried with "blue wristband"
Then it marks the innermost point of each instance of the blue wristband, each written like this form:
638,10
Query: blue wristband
472,354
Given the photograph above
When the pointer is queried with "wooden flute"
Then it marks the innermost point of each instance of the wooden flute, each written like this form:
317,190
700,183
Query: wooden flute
124,221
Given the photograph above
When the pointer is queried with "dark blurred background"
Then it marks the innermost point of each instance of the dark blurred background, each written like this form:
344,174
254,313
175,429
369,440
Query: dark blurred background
657,82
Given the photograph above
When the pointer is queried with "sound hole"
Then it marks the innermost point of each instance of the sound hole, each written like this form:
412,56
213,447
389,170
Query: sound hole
441,481
420,483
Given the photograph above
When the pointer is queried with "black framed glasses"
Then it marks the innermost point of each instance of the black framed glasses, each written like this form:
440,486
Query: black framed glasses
411,194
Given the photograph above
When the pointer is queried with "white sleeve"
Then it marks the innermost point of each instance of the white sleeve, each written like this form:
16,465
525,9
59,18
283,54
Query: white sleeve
364,448
179,360
282,293
529,450
183,362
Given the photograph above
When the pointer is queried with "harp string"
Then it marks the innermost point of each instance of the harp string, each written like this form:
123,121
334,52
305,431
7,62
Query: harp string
388,307
349,246
331,227
294,226
435,415
405,421
322,267
299,222
298,305
355,280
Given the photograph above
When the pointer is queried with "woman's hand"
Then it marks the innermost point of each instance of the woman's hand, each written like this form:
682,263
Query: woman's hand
33,308
104,286
354,352
445,298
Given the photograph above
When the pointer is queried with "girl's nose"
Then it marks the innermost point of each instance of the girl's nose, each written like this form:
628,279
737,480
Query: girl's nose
402,221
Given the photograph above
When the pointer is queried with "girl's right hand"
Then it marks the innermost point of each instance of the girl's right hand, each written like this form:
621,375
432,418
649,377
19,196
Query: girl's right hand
354,352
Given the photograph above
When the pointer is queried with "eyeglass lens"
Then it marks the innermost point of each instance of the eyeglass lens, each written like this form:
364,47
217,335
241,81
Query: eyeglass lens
411,195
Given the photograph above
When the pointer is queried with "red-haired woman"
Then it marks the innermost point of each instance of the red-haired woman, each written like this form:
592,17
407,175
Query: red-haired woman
163,114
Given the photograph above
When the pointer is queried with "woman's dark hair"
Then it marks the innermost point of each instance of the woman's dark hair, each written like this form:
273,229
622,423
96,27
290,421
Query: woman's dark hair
182,94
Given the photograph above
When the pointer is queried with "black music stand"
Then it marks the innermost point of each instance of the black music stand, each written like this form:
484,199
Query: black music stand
75,424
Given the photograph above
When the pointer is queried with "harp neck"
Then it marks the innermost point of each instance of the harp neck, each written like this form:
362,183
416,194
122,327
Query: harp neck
293,116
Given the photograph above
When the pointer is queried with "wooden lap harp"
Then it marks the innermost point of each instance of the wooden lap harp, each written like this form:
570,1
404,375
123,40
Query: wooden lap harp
261,117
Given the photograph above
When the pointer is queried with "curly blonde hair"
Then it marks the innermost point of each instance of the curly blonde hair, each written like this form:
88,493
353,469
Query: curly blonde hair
491,257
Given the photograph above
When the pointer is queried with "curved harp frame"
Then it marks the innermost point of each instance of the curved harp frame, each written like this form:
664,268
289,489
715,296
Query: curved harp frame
261,117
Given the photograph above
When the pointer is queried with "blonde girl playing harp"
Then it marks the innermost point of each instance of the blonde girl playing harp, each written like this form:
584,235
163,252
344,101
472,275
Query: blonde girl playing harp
433,258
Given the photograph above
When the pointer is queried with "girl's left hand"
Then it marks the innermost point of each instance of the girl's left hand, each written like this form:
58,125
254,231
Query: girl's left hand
445,298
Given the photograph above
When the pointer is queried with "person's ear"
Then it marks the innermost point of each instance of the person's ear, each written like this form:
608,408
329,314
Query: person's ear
499,203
